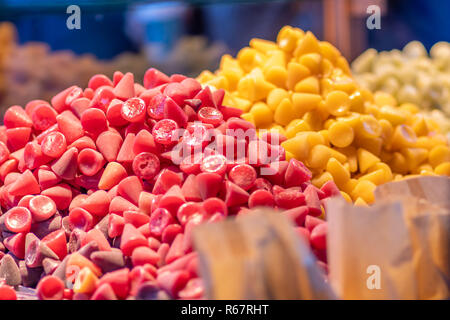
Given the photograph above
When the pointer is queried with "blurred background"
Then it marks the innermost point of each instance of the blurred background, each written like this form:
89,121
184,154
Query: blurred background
40,56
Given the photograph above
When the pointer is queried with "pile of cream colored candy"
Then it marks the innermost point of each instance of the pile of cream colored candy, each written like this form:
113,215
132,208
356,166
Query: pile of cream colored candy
410,75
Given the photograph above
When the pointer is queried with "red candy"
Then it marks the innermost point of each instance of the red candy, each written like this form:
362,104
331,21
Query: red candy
66,166
54,144
163,131
42,208
18,219
296,173
115,225
15,117
69,126
33,156
177,92
159,220
210,115
109,144
4,152
260,198
215,164
243,175
112,179
118,280
144,255
213,206
124,89
173,111
114,113
18,137
319,236
131,239
50,288
146,165
7,292
156,106
154,78
44,116
57,242
133,110
289,198
94,121
90,161
16,244
190,210
74,94
99,80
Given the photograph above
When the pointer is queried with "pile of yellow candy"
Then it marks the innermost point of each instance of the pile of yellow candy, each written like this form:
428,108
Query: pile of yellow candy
303,88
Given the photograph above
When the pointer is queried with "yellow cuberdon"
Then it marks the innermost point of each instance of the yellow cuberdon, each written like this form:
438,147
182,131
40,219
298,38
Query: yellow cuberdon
303,88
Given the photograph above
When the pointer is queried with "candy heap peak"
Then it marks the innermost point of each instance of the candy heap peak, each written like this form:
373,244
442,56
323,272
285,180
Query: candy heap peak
303,89
102,187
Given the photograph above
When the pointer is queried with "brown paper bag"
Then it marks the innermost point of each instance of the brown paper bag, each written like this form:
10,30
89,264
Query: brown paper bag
396,249
257,256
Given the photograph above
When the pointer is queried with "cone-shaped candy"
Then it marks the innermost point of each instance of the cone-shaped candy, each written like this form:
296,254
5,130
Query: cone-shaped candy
131,239
118,280
97,203
144,142
16,244
69,126
235,195
60,194
125,88
47,178
109,143
108,260
98,237
173,111
59,101
130,188
25,184
296,173
166,179
50,265
118,205
83,143
190,189
113,174
126,153
104,292
66,166
10,271
208,184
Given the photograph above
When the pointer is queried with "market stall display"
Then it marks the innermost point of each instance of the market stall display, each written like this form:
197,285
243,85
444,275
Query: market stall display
303,89
113,189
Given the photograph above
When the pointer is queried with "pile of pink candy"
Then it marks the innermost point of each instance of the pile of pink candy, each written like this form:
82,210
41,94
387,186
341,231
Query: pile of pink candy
102,187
